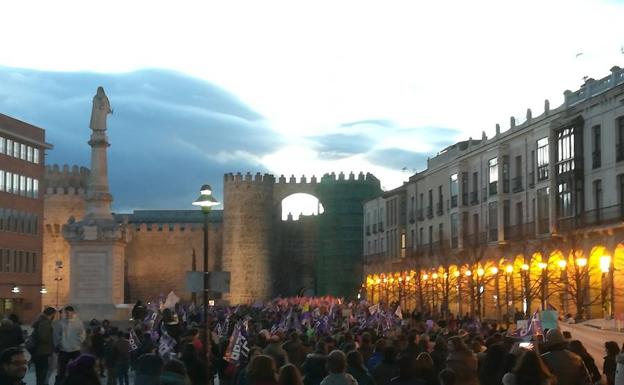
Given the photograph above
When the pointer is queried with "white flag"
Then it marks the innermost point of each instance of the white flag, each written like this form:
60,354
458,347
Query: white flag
373,309
171,300
398,312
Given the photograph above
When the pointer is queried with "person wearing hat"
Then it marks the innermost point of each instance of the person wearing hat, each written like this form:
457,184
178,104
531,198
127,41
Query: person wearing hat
566,366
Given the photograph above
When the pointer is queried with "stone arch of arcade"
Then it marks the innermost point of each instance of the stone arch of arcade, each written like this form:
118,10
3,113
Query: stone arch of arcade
579,273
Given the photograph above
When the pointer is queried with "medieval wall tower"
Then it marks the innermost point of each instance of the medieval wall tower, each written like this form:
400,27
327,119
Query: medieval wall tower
64,189
248,237
256,247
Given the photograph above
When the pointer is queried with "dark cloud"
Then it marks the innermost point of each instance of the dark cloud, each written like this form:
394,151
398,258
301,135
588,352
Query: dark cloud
169,132
338,146
398,159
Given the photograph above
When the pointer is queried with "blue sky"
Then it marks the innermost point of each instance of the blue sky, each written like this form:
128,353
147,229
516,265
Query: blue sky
203,88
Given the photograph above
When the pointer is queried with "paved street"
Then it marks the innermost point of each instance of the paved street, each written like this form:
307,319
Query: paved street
593,339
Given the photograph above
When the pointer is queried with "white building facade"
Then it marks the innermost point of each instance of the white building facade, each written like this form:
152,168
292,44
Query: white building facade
528,218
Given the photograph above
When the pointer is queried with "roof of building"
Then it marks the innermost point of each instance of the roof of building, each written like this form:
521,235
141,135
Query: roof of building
23,131
169,216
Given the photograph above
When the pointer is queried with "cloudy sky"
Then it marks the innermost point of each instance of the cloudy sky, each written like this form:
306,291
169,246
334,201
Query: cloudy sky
289,87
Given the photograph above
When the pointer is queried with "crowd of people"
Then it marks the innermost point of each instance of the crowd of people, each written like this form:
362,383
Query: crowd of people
295,341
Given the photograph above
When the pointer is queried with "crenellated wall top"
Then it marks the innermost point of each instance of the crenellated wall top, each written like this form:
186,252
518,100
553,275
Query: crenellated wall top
65,179
293,180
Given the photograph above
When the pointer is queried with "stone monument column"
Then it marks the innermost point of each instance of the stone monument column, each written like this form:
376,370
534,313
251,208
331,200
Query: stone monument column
97,242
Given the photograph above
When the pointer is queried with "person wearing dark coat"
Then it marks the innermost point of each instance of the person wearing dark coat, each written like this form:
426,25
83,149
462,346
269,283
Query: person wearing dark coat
42,344
81,371
295,350
490,367
314,368
11,334
274,350
195,367
13,366
462,361
388,368
356,368
577,347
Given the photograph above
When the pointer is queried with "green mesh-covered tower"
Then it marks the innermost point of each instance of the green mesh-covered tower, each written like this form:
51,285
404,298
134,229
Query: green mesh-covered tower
338,267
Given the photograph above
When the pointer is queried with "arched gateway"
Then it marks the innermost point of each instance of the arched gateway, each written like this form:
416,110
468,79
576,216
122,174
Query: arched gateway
268,257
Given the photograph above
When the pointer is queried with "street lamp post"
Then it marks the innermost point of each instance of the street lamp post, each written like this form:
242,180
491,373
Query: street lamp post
543,266
206,201
494,271
526,288
509,292
564,280
607,283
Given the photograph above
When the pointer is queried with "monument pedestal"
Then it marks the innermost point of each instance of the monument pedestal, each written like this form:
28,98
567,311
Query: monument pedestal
97,269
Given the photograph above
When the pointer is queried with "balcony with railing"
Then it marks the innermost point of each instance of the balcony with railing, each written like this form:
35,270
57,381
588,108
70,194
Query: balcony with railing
464,199
411,217
603,216
373,258
596,159
517,184
505,186
520,232
429,212
474,198
419,215
531,179
440,207
453,200
475,240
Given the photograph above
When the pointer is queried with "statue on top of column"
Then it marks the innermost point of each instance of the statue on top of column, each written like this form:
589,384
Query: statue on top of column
101,108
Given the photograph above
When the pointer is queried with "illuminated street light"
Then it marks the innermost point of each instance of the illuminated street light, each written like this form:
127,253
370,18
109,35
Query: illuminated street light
542,265
480,272
468,273
457,274
434,276
581,262
509,269
605,263
562,263
494,270
525,267
425,277
206,202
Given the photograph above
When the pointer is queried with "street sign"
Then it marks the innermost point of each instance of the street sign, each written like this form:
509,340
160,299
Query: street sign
194,281
218,281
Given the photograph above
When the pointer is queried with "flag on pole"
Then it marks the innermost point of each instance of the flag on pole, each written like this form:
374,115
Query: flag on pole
166,345
171,300
133,341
